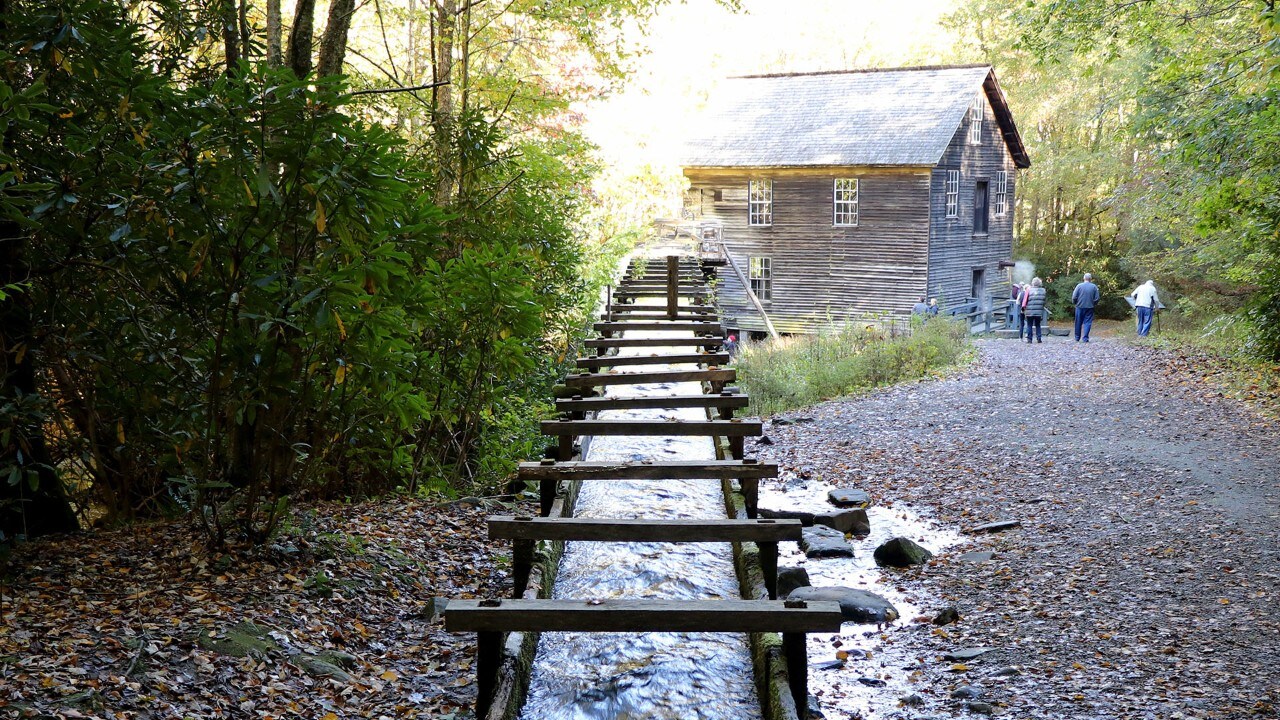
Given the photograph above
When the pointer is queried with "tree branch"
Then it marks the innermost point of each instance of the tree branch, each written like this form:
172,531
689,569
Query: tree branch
383,91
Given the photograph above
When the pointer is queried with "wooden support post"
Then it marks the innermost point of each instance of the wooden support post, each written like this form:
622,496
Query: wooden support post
750,495
522,565
769,565
565,450
737,446
797,659
488,662
546,496
673,282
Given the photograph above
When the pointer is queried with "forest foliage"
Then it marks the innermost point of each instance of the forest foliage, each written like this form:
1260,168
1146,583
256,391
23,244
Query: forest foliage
1154,129
246,258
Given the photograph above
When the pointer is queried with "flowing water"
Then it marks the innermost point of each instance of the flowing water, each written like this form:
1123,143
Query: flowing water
875,674
660,676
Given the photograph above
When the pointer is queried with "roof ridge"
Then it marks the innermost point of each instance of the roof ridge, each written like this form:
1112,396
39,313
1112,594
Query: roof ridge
907,68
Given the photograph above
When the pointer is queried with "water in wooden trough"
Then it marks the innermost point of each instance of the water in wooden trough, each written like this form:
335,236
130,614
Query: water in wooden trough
676,676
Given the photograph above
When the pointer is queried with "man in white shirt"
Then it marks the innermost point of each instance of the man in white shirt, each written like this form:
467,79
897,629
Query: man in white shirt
1145,300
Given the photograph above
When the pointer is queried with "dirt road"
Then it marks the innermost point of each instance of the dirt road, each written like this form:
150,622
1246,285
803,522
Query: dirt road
1144,579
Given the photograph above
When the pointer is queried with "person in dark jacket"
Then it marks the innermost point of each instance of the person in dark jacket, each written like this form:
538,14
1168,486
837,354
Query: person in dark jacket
1033,309
1085,297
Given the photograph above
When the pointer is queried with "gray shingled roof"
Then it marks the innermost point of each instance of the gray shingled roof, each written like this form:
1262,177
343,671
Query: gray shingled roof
880,117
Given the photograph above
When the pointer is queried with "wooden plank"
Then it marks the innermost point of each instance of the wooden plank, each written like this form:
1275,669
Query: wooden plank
653,342
743,616
698,327
589,380
660,428
669,470
682,289
654,402
594,363
635,293
616,315
507,527
695,308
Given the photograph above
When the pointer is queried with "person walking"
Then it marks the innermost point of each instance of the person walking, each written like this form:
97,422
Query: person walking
1085,297
920,308
1033,309
1145,300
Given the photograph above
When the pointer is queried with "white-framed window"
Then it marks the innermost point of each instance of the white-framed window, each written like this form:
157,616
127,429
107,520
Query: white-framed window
953,193
975,120
761,274
759,203
845,202
1002,192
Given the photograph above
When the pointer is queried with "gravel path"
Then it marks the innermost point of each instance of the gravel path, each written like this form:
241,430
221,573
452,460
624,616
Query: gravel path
1143,581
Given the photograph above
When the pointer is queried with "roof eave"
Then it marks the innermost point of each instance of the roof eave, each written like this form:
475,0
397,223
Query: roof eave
1004,117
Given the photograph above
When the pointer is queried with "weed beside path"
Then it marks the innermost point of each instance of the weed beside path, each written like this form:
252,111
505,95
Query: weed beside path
1142,582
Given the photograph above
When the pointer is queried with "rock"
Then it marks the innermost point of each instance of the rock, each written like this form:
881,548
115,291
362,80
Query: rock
805,518
967,692
465,503
901,552
967,654
781,421
856,605
344,660
827,665
947,616
871,682
316,667
976,557
243,639
764,440
821,541
1008,671
853,520
981,708
848,497
997,526
814,711
790,578
912,700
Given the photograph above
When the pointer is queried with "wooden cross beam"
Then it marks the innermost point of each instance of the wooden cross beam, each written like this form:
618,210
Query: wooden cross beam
524,531
491,618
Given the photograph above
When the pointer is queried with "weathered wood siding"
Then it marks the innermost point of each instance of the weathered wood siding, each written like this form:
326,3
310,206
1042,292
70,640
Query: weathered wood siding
955,251
822,273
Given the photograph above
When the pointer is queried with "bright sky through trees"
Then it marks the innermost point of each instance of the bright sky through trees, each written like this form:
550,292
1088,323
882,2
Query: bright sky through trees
696,44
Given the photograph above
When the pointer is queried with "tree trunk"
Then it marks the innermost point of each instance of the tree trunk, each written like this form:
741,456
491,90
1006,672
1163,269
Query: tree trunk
273,33
230,18
333,46
23,510
442,95
304,21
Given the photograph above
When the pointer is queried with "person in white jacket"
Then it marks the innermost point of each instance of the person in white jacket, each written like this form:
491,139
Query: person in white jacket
1145,300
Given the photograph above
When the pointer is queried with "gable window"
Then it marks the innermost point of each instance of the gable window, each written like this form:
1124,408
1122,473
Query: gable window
980,207
845,202
975,121
953,193
761,272
1002,193
760,203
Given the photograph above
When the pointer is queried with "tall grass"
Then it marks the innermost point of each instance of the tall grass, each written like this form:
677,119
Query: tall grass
793,372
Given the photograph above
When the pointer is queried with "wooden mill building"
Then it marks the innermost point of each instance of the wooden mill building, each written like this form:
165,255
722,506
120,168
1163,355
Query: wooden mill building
844,195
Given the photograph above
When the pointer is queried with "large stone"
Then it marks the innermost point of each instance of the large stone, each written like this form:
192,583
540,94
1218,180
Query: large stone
978,556
901,552
317,667
967,654
850,520
244,639
856,605
997,526
821,541
790,578
848,498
